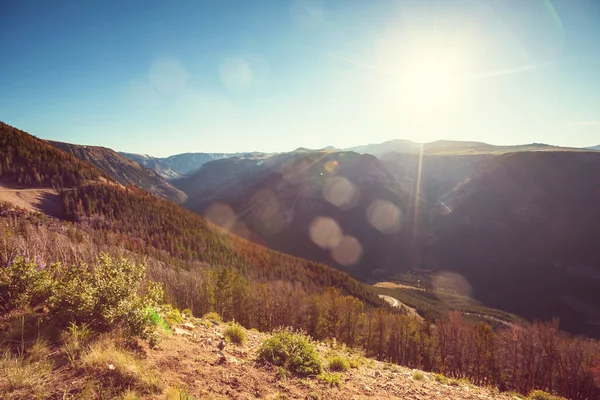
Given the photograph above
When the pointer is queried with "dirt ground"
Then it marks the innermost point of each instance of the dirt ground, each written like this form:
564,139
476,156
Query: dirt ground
36,200
192,360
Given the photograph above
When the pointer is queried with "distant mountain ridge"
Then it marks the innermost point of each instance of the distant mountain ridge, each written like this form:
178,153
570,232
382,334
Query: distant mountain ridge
180,165
123,170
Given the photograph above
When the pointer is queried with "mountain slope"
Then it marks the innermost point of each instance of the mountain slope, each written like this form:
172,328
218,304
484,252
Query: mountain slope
523,231
341,208
26,160
124,170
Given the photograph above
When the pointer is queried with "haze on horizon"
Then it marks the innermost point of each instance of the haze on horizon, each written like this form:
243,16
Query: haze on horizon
228,76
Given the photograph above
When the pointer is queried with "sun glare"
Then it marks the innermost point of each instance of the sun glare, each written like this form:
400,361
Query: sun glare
430,79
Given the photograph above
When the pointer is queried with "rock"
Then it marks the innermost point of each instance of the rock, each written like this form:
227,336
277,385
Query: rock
368,389
189,326
181,332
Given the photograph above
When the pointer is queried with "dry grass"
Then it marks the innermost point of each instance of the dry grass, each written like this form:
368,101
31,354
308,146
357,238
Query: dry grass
24,378
119,368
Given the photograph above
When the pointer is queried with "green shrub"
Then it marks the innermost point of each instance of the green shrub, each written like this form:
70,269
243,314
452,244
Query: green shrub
338,363
156,320
418,376
235,334
171,315
213,317
331,379
541,395
291,350
107,295
187,313
24,283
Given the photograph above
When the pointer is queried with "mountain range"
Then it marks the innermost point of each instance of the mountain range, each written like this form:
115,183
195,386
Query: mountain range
517,224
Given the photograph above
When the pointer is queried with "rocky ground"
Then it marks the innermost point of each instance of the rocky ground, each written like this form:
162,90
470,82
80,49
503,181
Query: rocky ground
190,358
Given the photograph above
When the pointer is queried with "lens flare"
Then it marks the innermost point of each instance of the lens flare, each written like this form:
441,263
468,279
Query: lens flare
340,192
325,232
384,216
222,215
348,251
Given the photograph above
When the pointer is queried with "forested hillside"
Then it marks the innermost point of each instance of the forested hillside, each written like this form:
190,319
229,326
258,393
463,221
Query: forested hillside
29,161
123,170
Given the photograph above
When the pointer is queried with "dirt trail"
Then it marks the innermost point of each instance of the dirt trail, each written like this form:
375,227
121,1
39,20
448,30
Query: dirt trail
44,200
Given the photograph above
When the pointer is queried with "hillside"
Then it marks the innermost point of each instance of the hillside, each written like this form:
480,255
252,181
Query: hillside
522,231
28,161
340,208
123,170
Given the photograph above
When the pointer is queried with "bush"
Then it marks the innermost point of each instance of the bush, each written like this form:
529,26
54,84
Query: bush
541,395
213,317
291,350
235,334
338,363
331,379
187,313
24,284
418,376
110,294
171,315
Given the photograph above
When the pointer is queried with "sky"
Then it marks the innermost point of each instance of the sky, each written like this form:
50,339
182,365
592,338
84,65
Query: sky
164,78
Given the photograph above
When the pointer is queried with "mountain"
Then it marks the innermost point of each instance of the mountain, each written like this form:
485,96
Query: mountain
593,148
432,175
123,170
523,231
446,147
341,208
179,165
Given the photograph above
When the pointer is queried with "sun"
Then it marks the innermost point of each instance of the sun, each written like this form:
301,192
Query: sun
430,79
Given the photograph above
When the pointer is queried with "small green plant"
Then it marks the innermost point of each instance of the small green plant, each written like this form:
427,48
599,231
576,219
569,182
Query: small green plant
187,313
213,317
156,320
440,378
171,315
541,395
292,351
177,393
235,334
418,376
282,373
338,363
331,379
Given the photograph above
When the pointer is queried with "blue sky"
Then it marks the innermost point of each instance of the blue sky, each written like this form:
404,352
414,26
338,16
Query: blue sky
163,78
